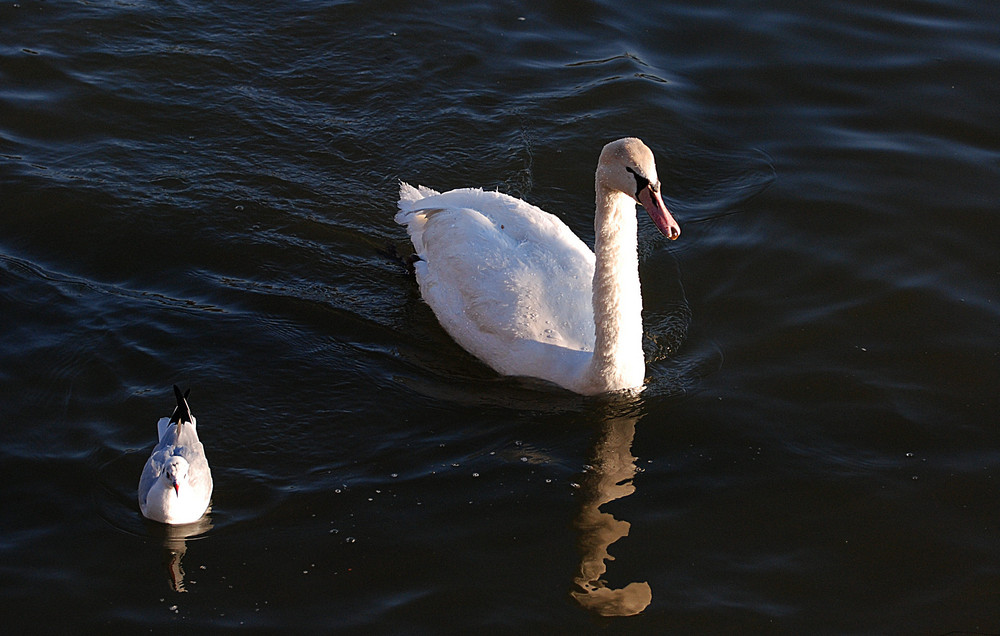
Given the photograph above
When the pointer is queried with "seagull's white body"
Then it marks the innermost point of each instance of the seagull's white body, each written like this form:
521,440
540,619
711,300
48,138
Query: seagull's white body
176,482
516,288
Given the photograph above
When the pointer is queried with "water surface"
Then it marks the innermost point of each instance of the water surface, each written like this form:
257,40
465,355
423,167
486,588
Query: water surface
202,194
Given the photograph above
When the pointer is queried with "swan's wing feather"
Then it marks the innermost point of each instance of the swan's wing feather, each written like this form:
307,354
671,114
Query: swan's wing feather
500,273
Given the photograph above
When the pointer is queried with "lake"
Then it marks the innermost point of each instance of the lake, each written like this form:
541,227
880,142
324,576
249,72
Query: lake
203,194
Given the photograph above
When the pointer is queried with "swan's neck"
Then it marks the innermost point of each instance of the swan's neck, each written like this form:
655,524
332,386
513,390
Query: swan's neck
618,361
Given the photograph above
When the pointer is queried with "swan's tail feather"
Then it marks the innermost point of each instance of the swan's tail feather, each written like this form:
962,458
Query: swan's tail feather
407,195
409,199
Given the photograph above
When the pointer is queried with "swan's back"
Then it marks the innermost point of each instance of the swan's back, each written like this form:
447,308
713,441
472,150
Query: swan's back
508,281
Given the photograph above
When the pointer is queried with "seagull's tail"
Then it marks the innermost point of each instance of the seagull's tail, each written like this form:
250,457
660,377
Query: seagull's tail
182,412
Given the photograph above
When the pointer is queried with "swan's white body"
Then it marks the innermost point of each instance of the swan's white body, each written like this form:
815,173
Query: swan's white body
515,287
176,482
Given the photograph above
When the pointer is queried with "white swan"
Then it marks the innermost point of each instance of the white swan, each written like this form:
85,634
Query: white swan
516,288
176,482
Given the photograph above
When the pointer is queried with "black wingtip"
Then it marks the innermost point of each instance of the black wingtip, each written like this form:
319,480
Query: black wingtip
182,413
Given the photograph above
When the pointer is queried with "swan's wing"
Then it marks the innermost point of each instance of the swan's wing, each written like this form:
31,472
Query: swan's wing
500,273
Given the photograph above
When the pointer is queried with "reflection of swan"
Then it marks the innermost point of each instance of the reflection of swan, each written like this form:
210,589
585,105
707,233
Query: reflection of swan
515,287
611,478
175,546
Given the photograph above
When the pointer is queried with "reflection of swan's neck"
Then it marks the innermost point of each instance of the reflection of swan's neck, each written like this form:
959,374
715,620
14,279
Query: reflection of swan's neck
614,468
617,361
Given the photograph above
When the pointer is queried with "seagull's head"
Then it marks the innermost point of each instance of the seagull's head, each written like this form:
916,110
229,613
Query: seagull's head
175,472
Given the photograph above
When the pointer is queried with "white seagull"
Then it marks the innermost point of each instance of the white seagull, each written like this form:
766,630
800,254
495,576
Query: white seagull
516,288
176,483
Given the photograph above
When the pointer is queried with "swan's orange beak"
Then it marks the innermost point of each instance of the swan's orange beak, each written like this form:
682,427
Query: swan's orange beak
653,202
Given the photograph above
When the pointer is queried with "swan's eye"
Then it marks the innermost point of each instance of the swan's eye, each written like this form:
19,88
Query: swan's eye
641,182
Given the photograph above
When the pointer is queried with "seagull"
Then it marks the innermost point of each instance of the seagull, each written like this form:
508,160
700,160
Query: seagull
176,483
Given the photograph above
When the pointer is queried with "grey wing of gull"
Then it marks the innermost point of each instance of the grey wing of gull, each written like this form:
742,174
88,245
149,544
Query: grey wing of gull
150,473
199,474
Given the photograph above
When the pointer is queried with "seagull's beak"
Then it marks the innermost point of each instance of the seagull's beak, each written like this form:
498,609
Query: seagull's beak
650,199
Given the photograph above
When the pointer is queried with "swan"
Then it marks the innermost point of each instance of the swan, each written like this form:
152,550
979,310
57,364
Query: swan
176,482
516,288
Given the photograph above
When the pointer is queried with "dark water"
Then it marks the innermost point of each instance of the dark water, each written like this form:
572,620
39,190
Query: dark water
202,193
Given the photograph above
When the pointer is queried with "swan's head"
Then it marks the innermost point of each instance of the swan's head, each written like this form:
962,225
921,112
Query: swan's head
175,472
627,166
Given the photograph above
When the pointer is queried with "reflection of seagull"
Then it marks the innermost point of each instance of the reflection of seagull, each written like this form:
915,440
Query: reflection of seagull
614,467
175,572
176,483
175,547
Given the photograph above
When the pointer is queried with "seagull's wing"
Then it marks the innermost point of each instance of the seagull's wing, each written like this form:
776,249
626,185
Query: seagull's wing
161,427
199,474
151,472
